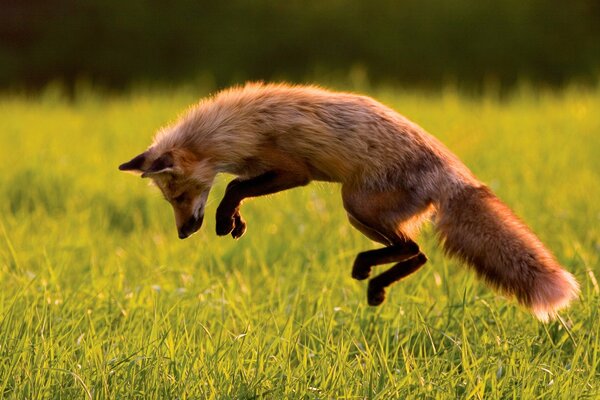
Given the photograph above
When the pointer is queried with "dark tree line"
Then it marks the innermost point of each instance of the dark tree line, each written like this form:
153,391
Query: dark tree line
413,42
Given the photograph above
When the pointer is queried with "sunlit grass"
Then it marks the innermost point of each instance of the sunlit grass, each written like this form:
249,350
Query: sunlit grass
99,299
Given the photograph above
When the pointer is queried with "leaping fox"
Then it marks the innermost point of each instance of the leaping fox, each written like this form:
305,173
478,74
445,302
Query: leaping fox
394,176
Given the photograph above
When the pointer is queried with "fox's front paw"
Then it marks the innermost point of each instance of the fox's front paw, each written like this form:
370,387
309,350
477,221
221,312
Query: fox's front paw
239,226
230,223
225,222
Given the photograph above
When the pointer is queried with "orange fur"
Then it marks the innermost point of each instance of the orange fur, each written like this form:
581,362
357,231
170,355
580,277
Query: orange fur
394,175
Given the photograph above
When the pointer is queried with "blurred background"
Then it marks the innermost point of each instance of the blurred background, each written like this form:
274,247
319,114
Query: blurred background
414,43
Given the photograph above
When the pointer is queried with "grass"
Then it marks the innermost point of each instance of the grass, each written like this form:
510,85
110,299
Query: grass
99,299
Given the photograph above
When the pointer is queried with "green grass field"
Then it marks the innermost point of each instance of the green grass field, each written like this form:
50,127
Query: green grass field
99,299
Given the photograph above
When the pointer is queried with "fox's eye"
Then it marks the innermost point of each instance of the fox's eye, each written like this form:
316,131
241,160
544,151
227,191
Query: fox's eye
179,199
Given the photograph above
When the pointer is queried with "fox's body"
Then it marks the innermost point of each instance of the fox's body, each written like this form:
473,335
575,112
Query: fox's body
394,175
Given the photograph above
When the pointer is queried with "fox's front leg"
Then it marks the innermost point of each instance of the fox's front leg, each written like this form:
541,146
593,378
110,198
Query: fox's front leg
229,219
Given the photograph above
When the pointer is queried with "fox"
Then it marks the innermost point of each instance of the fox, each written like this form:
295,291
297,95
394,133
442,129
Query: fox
394,177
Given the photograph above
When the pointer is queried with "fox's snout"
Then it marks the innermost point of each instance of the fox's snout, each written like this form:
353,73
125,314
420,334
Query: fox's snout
190,226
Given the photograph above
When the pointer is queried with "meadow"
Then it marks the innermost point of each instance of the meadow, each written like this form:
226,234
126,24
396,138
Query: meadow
100,299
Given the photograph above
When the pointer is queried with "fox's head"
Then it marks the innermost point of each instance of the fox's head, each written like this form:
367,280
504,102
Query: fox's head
184,179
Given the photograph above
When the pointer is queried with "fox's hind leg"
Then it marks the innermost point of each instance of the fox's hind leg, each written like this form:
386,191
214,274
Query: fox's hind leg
385,217
402,250
377,285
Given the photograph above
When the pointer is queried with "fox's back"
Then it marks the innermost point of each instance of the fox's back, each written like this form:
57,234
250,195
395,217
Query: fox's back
340,135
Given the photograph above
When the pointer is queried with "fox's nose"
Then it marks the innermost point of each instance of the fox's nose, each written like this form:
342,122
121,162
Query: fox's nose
189,227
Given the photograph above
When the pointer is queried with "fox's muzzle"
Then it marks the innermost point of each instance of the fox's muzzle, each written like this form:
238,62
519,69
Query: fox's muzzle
190,226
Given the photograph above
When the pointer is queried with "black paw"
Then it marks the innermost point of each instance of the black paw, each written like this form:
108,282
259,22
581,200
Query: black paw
421,259
412,248
230,223
360,270
375,294
239,226
225,222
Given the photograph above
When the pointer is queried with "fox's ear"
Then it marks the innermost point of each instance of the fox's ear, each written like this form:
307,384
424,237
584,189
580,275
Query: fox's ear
161,165
135,164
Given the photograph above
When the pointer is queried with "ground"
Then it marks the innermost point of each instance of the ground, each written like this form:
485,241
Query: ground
99,299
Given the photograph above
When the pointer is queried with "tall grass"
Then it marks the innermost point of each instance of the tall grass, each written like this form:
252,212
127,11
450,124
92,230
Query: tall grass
99,299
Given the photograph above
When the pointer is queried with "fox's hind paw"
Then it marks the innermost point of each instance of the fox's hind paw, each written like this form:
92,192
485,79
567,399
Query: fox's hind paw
375,294
361,269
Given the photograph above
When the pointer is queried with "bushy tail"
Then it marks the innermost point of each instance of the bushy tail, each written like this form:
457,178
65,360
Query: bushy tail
478,228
